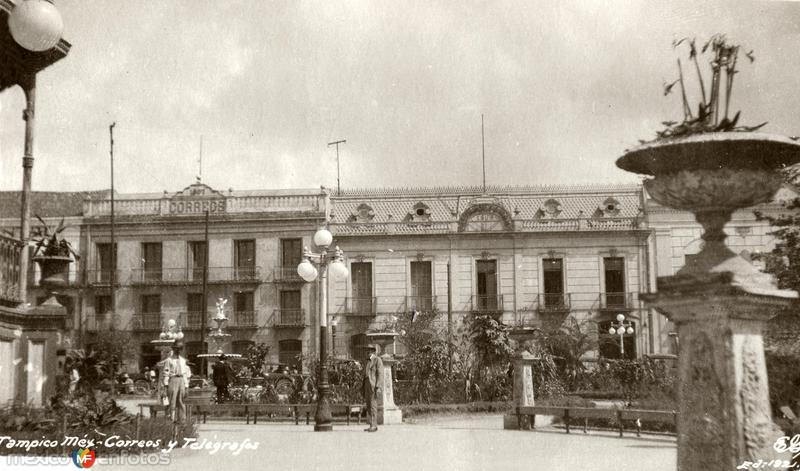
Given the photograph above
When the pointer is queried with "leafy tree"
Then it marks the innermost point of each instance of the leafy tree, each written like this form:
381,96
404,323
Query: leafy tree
256,358
567,346
490,338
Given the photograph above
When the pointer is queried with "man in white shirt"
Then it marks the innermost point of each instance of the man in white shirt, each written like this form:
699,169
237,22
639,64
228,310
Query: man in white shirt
176,379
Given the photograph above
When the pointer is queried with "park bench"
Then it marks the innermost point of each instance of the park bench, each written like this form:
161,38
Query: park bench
294,411
586,413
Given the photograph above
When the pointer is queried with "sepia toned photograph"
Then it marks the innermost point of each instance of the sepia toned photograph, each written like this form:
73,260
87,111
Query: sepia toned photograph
411,235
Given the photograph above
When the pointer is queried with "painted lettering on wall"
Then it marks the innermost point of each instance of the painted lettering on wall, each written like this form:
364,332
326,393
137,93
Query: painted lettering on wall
197,206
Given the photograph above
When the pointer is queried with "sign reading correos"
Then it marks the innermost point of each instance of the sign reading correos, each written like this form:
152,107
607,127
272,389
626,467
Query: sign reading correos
197,199
196,206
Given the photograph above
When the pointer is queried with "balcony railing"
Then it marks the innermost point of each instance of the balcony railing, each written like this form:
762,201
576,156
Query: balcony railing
244,318
10,252
141,276
361,306
98,322
193,320
420,303
286,275
102,277
487,303
287,318
611,301
147,321
553,302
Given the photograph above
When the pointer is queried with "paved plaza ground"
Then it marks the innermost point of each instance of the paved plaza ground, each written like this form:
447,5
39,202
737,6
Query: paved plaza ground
441,443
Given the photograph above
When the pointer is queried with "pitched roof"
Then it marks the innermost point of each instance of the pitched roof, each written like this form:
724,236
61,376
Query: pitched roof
526,203
48,203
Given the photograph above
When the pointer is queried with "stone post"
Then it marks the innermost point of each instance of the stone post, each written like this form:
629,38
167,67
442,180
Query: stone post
720,303
388,412
523,380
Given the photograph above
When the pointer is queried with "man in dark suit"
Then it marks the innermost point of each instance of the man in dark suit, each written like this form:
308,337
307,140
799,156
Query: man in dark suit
222,378
373,376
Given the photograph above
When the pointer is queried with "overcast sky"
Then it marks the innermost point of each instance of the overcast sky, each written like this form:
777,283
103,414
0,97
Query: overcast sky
565,88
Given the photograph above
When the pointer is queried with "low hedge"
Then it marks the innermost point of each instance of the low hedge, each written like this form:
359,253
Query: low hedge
412,411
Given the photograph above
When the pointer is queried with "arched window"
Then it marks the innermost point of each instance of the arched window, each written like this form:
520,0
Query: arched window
484,222
485,217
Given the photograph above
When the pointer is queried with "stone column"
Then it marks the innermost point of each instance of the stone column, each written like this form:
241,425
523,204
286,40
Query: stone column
523,380
522,393
719,302
388,413
724,416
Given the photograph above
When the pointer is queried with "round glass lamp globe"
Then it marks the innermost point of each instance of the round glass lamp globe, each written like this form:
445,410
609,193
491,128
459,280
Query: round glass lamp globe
36,25
630,330
621,330
179,335
612,331
620,317
338,269
307,271
323,238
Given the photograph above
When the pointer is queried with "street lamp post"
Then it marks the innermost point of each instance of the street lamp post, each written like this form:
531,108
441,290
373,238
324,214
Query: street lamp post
309,272
29,42
621,327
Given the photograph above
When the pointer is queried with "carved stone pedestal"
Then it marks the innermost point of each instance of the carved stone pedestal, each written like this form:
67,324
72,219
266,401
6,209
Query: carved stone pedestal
724,417
388,412
522,392
719,302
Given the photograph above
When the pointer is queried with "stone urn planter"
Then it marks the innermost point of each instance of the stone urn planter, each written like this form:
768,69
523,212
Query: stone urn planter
720,302
383,339
54,275
54,271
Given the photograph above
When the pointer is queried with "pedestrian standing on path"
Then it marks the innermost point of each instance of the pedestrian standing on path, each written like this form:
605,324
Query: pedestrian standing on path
373,373
176,379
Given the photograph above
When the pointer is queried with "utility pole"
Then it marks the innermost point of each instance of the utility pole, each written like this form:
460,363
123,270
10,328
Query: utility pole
483,155
338,182
449,320
204,313
113,274
200,161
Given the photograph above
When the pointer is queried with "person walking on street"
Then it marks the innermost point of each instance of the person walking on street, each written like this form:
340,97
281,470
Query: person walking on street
176,379
373,374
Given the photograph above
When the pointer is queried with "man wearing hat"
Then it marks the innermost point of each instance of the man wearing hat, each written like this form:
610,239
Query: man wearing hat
176,379
373,373
222,377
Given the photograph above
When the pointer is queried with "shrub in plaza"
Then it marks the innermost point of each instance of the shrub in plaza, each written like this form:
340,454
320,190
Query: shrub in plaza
49,433
567,346
89,410
414,411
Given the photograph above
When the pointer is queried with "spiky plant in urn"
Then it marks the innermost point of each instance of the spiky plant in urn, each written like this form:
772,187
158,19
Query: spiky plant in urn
53,253
712,166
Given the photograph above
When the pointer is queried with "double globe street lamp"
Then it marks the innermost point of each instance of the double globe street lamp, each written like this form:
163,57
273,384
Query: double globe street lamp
29,42
307,269
621,327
